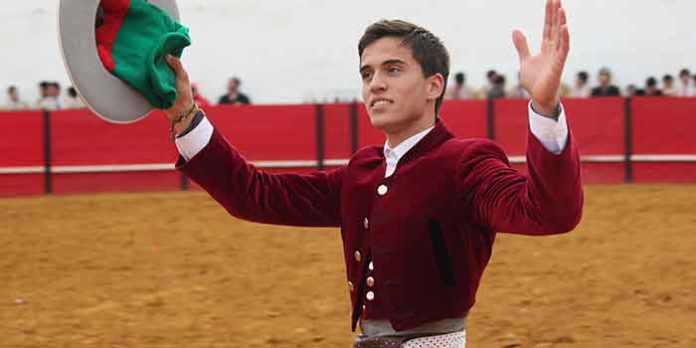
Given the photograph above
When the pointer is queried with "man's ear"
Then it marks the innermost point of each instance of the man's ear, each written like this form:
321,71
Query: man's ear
435,86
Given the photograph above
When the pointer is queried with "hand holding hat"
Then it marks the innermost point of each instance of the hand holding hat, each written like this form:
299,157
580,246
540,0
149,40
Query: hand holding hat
119,68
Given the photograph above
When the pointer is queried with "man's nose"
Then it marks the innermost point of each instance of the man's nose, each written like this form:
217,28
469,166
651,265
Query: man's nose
378,83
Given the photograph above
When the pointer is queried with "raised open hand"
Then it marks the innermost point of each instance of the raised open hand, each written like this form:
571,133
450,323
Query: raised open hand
541,74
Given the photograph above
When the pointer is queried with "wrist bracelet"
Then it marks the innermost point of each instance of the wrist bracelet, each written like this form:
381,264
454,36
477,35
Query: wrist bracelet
176,120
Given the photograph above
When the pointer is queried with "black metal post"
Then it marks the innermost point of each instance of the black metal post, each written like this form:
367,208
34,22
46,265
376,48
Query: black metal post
184,183
48,179
320,136
354,127
628,140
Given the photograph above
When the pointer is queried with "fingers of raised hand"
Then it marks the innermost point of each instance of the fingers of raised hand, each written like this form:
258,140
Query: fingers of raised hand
521,45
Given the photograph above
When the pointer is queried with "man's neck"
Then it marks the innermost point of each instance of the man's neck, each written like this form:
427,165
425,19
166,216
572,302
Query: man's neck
397,137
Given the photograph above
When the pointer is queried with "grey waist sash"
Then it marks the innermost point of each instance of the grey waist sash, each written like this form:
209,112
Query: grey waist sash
379,328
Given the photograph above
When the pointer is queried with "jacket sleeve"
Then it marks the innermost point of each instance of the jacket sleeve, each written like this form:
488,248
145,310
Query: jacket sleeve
546,200
252,194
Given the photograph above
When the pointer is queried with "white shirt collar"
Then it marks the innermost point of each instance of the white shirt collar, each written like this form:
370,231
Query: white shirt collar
394,155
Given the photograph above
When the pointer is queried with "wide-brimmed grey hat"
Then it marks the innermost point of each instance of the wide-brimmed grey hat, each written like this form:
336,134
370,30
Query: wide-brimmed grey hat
105,94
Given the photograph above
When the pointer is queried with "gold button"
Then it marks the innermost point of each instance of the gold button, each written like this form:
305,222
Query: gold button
366,223
370,295
358,256
371,266
351,287
382,190
370,281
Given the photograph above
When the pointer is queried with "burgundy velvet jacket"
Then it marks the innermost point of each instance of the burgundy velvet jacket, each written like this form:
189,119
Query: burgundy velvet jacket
428,229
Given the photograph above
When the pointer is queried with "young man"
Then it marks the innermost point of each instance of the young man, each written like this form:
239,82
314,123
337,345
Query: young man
418,216
13,101
605,88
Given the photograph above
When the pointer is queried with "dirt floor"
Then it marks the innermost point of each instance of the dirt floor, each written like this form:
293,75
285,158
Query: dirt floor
173,270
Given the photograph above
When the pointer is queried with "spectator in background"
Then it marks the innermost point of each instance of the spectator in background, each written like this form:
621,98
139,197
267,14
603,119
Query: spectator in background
518,92
605,88
198,98
582,87
459,91
73,101
49,93
234,96
633,91
13,101
497,91
668,88
651,89
490,82
687,90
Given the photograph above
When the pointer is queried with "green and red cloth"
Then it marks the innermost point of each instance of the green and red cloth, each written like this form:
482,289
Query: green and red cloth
133,40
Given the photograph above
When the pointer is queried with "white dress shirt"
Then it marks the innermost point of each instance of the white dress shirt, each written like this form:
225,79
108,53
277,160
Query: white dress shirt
553,135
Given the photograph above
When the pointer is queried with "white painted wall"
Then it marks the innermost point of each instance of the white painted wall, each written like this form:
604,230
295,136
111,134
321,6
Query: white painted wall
288,51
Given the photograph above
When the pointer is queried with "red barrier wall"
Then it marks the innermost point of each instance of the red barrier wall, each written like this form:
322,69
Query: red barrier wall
661,126
664,126
21,145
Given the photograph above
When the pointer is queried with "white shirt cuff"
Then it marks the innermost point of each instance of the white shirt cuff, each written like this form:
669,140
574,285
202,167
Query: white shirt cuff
198,138
553,134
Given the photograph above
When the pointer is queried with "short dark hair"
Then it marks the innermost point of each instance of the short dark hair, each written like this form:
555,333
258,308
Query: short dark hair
459,78
491,73
668,77
684,72
651,82
11,89
583,76
43,84
427,49
72,92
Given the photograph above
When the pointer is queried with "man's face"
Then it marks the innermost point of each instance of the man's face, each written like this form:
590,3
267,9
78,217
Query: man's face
580,82
604,79
395,92
53,91
232,86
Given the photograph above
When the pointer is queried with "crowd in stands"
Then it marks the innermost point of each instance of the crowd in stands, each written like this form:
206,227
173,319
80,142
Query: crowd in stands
50,97
495,87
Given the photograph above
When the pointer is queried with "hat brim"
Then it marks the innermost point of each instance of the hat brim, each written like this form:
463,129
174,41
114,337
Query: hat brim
105,94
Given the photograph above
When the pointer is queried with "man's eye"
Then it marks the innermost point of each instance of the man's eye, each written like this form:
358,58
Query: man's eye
365,75
393,69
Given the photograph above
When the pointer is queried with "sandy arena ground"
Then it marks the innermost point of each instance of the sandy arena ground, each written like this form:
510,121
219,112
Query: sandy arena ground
173,270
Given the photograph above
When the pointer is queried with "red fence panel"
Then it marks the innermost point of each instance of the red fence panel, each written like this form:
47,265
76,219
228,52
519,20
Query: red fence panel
664,126
466,119
80,138
337,131
269,132
21,145
598,126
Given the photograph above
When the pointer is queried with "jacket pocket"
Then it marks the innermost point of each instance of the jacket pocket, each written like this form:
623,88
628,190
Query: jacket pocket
442,257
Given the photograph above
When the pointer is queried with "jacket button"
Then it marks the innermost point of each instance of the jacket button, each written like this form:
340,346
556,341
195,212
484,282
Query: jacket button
371,266
351,287
382,190
370,281
366,223
358,256
370,295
